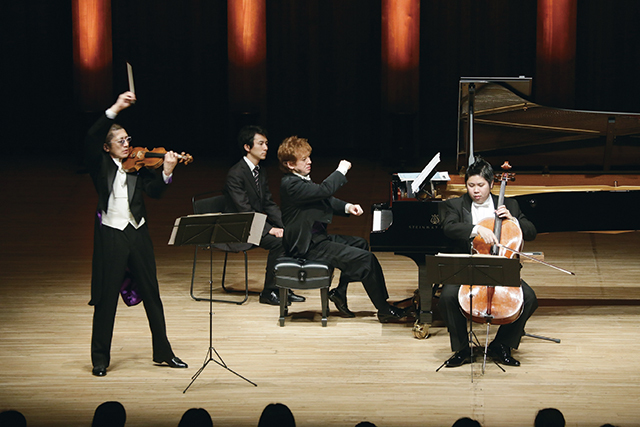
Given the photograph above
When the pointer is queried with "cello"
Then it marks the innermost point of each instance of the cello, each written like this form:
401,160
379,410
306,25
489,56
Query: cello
503,304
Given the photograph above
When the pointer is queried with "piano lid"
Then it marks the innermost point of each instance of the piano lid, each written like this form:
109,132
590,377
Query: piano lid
509,126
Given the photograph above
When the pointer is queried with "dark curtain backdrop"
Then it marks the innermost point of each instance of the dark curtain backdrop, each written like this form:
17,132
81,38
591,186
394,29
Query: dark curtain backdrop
323,78
323,70
178,52
608,57
37,112
468,38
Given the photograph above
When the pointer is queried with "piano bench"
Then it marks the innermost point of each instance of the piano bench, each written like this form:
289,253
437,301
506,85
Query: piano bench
297,273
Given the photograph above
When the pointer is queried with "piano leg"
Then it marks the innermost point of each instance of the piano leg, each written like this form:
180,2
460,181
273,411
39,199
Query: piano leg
424,317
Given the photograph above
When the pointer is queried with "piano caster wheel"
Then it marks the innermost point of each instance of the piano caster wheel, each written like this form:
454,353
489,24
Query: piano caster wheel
420,330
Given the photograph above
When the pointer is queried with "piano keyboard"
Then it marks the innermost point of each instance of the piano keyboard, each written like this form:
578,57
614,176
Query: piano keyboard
382,219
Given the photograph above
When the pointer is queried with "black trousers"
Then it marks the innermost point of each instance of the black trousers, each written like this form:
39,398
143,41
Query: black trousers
274,245
355,263
456,322
130,249
355,242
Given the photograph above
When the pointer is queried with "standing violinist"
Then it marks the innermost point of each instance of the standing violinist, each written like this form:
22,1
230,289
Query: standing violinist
462,216
121,237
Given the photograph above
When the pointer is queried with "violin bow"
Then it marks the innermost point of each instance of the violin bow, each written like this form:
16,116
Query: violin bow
535,259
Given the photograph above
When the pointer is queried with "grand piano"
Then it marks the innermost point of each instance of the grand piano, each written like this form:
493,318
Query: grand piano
569,157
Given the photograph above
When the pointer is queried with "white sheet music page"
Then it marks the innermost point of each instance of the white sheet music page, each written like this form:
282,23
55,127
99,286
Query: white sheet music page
457,255
176,225
174,231
257,225
415,185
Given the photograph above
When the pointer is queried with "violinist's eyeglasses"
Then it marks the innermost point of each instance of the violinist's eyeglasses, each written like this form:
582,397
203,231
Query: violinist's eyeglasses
123,140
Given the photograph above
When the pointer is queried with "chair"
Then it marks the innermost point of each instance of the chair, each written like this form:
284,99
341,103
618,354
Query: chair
215,204
296,273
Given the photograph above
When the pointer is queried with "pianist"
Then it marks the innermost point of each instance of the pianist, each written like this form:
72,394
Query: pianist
307,209
460,216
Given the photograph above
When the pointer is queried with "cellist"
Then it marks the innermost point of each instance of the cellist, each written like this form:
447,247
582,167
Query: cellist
462,215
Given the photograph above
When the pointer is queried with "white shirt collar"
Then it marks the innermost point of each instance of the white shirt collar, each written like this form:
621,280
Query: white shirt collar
118,163
305,177
482,211
250,163
487,203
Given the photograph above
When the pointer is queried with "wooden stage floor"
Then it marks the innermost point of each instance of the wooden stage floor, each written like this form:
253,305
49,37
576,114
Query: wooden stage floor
350,371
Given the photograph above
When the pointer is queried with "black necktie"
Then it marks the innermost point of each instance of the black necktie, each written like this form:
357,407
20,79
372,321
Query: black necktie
256,172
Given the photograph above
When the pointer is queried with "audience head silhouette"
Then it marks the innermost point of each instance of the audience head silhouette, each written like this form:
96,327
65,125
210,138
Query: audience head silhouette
549,417
109,414
276,415
196,417
466,422
365,424
12,418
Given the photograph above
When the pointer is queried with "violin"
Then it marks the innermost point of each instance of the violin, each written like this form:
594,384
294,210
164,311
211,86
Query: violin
502,304
140,157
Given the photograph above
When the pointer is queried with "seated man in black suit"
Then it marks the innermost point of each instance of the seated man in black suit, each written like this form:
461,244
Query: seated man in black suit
307,209
247,190
460,223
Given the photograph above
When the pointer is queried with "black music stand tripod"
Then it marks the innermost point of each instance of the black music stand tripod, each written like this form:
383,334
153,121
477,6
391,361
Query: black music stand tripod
454,269
208,229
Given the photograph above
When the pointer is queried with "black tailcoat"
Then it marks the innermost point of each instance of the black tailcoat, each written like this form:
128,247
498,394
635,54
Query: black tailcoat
116,251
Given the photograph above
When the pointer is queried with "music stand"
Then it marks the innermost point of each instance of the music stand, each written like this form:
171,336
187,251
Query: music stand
473,270
217,228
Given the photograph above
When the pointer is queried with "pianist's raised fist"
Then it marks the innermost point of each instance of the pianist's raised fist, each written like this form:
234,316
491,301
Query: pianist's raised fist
344,165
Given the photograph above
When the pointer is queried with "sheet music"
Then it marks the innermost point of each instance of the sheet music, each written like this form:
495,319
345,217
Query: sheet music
174,231
441,176
408,176
415,186
255,232
255,235
458,255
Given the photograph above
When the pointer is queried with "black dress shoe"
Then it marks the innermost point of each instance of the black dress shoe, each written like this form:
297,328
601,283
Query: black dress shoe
295,298
99,371
271,298
461,357
502,354
341,303
174,362
391,314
